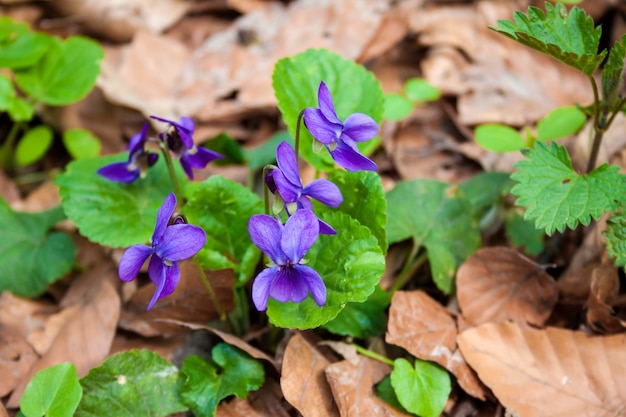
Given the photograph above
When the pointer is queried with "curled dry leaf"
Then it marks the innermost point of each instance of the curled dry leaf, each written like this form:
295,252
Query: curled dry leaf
352,385
498,284
550,372
426,330
602,296
266,401
303,382
16,359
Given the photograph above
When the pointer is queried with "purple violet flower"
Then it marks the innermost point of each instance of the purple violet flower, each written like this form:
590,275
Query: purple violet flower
139,160
340,137
287,279
180,141
286,180
170,243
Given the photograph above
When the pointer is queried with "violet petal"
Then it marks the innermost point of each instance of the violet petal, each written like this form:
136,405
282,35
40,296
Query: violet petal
184,162
299,234
265,232
288,163
181,241
261,287
120,172
158,275
172,277
324,191
288,286
326,229
325,103
132,261
199,157
360,127
351,159
314,282
137,141
163,218
320,128
288,192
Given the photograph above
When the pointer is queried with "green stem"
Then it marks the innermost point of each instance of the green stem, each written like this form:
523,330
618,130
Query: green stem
373,355
266,190
598,121
170,168
297,139
9,144
413,262
214,299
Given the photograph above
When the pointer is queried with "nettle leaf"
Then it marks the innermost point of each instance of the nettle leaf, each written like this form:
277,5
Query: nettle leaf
232,372
19,47
522,232
53,392
364,319
222,208
363,200
112,213
560,122
81,143
438,217
354,89
350,263
499,138
571,38
65,74
616,235
33,145
613,74
419,90
137,383
423,389
397,107
557,196
31,257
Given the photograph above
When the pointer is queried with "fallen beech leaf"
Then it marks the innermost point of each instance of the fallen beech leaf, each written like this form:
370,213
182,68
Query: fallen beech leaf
188,303
266,401
86,337
551,372
303,382
16,359
23,316
426,330
602,296
3,411
346,350
498,284
353,388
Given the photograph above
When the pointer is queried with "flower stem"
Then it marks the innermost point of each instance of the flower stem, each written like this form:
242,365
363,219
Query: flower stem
170,168
297,139
9,144
214,299
413,262
266,190
373,355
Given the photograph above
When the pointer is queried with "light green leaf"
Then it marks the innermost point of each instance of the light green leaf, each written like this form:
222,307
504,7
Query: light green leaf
112,213
265,154
571,38
232,372
65,74
364,319
422,390
81,143
296,80
560,122
616,235
499,138
7,92
522,232
613,75
419,90
350,263
21,110
222,208
33,145
32,258
137,383
19,47
557,196
436,216
53,392
397,107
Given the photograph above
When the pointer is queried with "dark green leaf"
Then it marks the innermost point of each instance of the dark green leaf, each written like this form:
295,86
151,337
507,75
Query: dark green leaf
397,107
266,154
522,232
616,236
137,383
19,47
499,138
81,143
233,372
571,38
31,257
33,145
364,319
385,391
228,147
485,189
422,390
53,392
613,74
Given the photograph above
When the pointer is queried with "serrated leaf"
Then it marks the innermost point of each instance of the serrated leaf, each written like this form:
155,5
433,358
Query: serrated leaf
233,372
19,47
112,213
616,236
571,38
556,196
81,143
350,263
397,107
499,138
354,89
423,389
522,232
33,145
31,257
137,383
613,74
364,319
222,208
560,122
265,154
438,218
65,74
419,90
363,200
53,392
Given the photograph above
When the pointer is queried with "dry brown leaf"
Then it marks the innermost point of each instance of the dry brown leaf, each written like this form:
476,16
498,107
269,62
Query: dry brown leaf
23,316
267,401
497,284
86,337
353,388
551,372
303,382
188,303
602,296
347,350
16,359
3,411
44,197
426,330
8,190
166,347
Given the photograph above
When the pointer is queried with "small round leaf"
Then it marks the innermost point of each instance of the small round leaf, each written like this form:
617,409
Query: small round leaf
33,145
499,138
